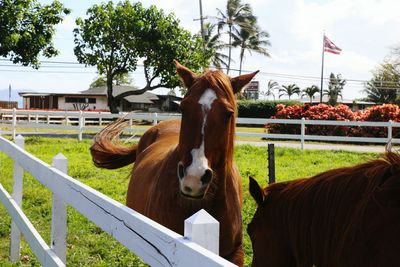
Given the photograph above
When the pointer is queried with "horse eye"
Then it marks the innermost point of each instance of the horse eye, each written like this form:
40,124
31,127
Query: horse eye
181,171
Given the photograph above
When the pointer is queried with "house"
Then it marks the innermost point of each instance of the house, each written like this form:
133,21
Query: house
353,104
96,99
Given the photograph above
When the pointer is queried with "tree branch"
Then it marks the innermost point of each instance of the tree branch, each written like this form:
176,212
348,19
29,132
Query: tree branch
138,92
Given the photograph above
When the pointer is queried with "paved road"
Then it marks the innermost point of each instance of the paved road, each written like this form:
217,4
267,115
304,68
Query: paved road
320,146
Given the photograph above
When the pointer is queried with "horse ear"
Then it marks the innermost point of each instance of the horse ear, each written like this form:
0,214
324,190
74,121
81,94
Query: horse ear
256,191
186,74
240,81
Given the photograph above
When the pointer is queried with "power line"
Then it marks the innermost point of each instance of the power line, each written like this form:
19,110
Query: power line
291,77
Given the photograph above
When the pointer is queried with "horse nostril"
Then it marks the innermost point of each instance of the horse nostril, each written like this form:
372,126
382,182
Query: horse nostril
181,171
206,178
187,189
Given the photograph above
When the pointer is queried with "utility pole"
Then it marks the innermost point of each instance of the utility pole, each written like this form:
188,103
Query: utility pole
202,25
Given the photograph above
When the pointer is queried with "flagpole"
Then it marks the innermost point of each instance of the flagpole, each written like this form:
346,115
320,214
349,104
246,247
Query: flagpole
9,95
322,66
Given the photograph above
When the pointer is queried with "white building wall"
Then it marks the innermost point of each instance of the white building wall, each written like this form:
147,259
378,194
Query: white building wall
101,103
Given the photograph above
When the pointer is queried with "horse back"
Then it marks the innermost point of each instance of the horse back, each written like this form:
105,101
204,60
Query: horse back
164,130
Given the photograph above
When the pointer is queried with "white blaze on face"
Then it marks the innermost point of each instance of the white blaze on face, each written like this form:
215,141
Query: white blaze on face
199,161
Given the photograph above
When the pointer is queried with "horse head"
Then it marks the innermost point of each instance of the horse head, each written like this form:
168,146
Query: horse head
207,128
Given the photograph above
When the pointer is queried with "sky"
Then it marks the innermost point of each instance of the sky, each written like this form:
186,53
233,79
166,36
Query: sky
365,30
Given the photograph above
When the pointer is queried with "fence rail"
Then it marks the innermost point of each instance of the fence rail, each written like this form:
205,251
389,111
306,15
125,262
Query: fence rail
154,243
94,121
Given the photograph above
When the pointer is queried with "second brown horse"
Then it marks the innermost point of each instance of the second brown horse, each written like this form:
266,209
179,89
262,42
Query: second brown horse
343,217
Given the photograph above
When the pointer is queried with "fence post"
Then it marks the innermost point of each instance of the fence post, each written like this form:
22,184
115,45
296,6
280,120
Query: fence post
59,214
390,133
271,163
80,121
100,119
17,196
36,121
203,229
155,115
14,123
48,118
302,132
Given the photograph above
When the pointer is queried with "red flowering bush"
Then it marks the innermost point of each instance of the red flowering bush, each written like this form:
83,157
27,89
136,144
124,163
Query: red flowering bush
332,113
384,112
287,112
319,112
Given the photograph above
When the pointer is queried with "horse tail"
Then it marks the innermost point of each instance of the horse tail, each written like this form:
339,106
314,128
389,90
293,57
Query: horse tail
107,150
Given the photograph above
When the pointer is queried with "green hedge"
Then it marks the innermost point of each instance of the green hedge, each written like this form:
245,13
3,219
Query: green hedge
261,108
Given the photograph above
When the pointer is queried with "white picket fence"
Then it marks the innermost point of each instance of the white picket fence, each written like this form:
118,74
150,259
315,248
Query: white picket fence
155,244
84,121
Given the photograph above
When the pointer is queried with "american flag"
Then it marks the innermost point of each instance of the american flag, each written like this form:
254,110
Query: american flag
330,47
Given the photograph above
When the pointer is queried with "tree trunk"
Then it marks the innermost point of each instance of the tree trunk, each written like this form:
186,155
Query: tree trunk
230,48
241,61
112,105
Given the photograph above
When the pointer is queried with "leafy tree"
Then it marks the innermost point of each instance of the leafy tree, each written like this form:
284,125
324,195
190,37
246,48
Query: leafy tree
27,29
253,40
214,45
114,38
395,58
335,88
120,79
237,15
289,90
310,92
384,85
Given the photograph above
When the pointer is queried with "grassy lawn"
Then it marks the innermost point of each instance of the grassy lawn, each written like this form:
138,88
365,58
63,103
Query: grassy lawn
87,244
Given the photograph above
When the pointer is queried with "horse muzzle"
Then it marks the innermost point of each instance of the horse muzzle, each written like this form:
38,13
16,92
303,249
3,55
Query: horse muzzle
194,186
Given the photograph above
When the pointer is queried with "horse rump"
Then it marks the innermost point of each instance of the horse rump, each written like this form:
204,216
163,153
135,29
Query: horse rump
108,152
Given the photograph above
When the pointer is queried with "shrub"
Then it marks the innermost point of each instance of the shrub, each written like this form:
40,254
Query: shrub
318,112
289,112
384,112
332,113
260,108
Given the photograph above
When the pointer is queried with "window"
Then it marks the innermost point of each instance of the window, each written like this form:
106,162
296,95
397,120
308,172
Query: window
90,100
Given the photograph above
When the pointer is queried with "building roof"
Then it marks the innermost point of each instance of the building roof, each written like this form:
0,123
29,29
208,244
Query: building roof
146,97
340,100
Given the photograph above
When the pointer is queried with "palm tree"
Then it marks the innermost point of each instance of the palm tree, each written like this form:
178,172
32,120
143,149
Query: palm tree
214,45
335,88
289,90
379,92
254,40
272,85
384,84
310,92
236,15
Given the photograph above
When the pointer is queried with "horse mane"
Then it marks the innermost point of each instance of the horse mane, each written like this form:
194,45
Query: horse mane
333,203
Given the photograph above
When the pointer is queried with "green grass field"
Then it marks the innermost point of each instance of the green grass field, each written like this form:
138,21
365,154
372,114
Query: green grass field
87,244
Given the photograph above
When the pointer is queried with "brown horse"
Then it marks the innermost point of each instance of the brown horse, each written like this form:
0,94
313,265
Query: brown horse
184,166
343,217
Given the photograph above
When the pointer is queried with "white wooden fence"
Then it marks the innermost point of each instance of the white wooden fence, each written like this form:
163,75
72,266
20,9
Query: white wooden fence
84,121
155,244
